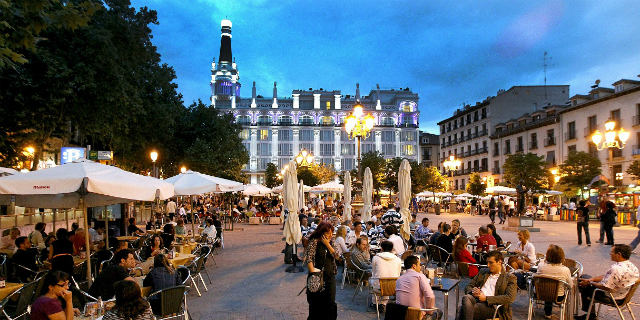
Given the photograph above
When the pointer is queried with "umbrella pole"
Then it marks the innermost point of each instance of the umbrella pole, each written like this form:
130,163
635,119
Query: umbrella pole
54,211
193,218
86,241
66,217
105,215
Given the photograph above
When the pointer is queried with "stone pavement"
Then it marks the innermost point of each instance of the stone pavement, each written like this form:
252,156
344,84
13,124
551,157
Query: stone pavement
249,281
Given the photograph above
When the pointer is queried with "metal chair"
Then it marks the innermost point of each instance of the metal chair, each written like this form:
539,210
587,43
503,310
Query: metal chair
349,269
387,289
185,275
545,289
463,269
195,268
173,302
614,303
205,253
364,275
24,274
576,270
25,297
436,254
406,254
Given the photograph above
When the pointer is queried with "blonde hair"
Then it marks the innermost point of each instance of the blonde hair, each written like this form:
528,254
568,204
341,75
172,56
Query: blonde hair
525,234
342,232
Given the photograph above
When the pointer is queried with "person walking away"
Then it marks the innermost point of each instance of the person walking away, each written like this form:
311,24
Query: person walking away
501,205
583,222
610,217
474,204
635,241
492,210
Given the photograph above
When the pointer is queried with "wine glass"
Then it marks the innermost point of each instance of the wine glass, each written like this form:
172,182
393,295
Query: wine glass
439,273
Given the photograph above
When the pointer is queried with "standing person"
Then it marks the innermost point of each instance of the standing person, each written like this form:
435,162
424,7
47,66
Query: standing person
492,210
474,204
171,208
48,306
635,241
609,219
501,209
61,252
602,208
583,222
321,256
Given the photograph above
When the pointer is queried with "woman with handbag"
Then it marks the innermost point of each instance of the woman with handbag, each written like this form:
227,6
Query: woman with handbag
320,257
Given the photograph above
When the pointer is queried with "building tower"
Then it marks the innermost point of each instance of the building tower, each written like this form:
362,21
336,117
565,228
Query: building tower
225,85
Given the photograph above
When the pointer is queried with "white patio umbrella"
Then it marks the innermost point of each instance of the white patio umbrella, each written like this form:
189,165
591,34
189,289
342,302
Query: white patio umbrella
404,193
443,194
501,190
425,194
255,190
328,187
278,189
81,183
367,193
467,195
195,183
292,232
346,215
7,171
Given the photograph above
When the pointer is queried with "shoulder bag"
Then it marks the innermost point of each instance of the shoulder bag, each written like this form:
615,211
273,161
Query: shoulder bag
315,281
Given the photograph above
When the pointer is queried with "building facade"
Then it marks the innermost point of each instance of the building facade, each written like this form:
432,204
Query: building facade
466,134
276,129
429,149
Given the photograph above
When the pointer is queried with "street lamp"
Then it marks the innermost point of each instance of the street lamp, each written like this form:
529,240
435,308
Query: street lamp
452,165
612,139
358,126
304,158
154,157
183,169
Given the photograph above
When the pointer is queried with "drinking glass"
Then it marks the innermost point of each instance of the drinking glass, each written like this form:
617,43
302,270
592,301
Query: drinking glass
439,273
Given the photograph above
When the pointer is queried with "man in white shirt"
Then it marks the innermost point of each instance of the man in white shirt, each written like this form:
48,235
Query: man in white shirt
171,208
491,287
616,280
398,244
320,206
384,265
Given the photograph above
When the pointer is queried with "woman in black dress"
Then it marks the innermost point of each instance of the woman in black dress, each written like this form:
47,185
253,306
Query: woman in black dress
61,252
322,254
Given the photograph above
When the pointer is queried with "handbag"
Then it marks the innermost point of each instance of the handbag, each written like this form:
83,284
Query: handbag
315,280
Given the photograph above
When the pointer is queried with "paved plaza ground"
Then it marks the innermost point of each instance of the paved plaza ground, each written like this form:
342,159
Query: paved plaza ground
250,282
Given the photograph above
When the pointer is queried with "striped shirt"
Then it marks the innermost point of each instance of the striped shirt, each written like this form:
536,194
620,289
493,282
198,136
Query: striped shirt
391,217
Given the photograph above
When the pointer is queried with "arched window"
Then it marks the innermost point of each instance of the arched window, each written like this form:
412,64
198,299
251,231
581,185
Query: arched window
264,120
285,120
327,121
406,119
408,106
305,121
387,121
243,120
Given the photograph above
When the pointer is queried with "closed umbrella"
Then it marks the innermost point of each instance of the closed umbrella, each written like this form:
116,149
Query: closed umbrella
367,193
301,189
292,232
346,215
81,183
404,193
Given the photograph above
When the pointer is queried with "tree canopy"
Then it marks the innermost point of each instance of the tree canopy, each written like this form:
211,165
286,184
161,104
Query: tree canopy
579,169
634,169
375,161
271,175
475,186
526,167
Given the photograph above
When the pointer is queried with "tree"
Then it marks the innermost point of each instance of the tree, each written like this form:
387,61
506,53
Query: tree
433,180
475,186
634,169
270,175
579,169
324,173
374,160
308,177
391,174
526,167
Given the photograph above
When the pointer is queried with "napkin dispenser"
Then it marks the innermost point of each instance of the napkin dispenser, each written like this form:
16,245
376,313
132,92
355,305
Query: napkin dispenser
430,273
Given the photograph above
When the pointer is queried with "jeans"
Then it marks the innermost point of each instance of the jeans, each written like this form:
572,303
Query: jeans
501,216
548,306
608,230
470,309
492,216
584,225
601,231
635,241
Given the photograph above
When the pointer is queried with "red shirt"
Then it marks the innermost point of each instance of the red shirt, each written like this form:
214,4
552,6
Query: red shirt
489,239
465,256
78,242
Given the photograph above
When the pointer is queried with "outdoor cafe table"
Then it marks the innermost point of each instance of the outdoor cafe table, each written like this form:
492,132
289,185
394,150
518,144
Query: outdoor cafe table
185,247
446,286
8,289
127,238
181,259
186,236
8,252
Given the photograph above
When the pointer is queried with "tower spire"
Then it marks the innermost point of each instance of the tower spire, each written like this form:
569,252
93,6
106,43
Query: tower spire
225,42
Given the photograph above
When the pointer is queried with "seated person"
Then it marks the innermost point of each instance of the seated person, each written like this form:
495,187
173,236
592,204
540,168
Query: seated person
341,235
384,265
9,241
392,235
360,253
61,252
552,266
113,241
168,236
37,236
78,240
460,253
491,228
179,228
457,230
103,286
413,289
444,241
435,235
485,240
96,236
132,228
526,252
26,258
422,232
209,230
492,286
413,223
161,277
120,245
356,233
620,275
156,247
48,306
130,304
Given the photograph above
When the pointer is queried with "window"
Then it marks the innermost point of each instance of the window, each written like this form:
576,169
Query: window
387,121
243,120
285,149
571,148
247,145
389,150
388,136
285,120
593,150
348,164
326,162
326,135
328,104
264,135
348,149
308,146
262,163
406,119
551,158
285,135
407,136
534,141
426,154
406,108
306,135
407,150
327,120
305,121
264,149
283,162
245,134
496,148
571,130
327,149
507,147
592,124
519,147
615,115
264,120
367,147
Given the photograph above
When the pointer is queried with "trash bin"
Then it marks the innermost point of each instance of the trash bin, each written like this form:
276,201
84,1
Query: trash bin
437,209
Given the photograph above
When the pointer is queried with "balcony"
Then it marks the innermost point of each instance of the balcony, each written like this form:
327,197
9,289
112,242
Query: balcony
483,133
483,150
442,145
496,171
571,135
589,131
475,135
550,141
533,145
636,120
507,151
519,148
467,154
467,171
496,152
449,144
483,115
461,139
476,118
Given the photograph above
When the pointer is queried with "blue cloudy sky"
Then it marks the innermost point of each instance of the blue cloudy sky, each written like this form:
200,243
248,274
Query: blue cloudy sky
449,52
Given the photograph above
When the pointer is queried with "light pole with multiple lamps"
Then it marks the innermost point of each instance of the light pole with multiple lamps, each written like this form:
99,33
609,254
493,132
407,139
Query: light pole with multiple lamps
612,139
304,158
359,126
452,165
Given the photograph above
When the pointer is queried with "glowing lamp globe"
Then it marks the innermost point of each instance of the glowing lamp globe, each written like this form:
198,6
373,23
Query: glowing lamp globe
369,121
357,111
623,135
596,137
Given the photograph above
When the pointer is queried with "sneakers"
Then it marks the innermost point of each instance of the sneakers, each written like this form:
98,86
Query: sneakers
599,241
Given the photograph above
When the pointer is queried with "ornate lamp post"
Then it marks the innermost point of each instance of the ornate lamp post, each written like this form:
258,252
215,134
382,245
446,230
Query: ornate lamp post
612,139
358,126
304,158
452,165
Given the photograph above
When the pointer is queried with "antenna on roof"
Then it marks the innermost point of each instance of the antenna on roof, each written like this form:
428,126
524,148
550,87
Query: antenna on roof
544,64
596,85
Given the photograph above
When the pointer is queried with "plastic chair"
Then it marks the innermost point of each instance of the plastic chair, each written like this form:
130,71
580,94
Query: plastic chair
613,303
173,302
387,289
545,289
